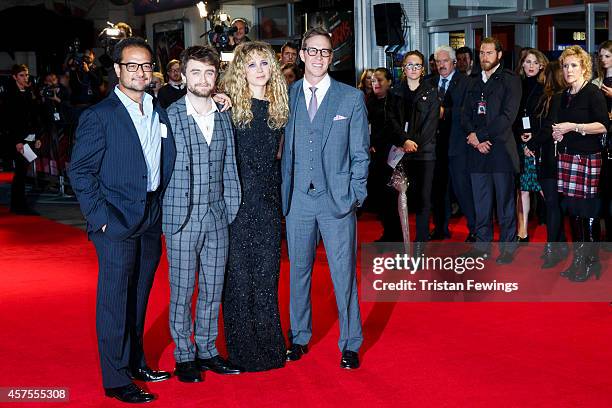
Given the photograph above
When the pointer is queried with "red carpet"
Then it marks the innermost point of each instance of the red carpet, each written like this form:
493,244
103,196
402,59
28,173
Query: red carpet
415,354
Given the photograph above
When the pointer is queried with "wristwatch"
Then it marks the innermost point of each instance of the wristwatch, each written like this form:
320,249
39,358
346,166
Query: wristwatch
580,129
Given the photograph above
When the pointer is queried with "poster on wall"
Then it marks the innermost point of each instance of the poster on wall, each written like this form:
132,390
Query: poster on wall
168,42
340,25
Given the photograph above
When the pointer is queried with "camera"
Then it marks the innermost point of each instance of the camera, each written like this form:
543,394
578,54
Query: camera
74,55
49,91
219,36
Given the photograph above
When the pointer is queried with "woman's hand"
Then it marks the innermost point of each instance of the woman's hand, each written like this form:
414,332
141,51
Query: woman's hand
223,99
528,152
410,146
607,91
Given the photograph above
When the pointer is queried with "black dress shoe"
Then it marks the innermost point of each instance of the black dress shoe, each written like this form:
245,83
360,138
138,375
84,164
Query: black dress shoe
436,235
296,351
349,360
522,241
475,253
24,211
146,374
505,258
471,238
218,365
131,393
188,372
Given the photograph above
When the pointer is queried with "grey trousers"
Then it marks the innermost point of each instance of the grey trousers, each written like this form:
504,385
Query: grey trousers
307,217
201,249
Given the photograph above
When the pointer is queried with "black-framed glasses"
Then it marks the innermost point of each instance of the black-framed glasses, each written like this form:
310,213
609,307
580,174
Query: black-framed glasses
133,67
312,51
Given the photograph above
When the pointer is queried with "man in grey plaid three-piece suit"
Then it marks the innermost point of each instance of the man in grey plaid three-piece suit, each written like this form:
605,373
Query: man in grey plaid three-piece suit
201,200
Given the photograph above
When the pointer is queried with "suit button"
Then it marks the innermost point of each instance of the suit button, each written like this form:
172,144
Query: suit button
144,177
186,167
142,201
186,194
311,168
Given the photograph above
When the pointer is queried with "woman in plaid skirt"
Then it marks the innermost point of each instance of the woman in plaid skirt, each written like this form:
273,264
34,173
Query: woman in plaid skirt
581,118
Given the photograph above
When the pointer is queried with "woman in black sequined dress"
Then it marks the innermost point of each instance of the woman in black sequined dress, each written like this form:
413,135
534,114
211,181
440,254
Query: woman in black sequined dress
251,315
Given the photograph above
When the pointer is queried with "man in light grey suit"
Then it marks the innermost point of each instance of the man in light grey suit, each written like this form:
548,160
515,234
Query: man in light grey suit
324,168
201,200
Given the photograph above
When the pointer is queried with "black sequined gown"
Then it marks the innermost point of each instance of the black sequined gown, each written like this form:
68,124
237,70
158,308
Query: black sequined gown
251,317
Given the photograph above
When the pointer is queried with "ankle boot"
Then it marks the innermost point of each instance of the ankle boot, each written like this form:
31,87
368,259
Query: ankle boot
549,256
592,230
578,236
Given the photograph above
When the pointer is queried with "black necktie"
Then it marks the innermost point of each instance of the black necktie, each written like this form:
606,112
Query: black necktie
442,89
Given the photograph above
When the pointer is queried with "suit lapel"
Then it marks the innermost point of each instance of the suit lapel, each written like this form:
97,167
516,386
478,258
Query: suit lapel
168,149
295,93
124,117
333,93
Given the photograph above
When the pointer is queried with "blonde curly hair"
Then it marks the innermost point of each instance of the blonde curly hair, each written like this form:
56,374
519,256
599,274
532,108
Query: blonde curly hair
234,83
583,57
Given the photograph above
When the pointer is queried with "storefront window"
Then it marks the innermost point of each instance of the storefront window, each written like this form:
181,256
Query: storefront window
542,4
444,9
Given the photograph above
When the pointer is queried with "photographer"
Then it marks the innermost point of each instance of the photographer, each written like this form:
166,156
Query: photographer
24,129
85,79
238,33
55,115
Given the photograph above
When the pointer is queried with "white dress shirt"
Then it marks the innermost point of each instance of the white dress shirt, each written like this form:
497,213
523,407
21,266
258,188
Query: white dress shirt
205,121
148,128
321,91
485,78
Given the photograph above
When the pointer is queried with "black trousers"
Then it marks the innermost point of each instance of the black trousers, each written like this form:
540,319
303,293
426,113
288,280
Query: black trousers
554,216
420,175
18,190
125,276
441,197
462,187
485,188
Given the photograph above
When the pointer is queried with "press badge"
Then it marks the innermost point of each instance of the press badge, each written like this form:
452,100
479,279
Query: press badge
526,123
56,116
482,108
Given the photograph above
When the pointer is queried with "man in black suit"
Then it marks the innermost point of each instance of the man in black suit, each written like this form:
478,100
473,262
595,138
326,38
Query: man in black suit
122,161
174,89
451,149
489,110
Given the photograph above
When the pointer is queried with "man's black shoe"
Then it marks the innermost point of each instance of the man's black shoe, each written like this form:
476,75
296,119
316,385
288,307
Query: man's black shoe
146,374
436,235
131,393
505,258
24,211
188,372
217,365
296,351
475,253
349,360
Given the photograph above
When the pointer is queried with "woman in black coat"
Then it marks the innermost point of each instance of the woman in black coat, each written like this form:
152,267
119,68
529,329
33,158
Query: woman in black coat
543,148
581,118
385,118
421,109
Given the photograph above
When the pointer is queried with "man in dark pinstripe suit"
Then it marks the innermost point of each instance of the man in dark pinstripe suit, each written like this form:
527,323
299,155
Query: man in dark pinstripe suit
201,200
121,163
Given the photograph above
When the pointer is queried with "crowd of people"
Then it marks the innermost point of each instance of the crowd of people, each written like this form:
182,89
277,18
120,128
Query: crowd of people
157,158
497,136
